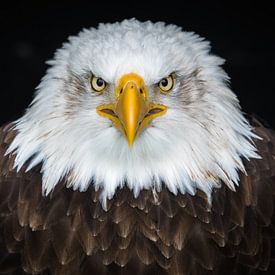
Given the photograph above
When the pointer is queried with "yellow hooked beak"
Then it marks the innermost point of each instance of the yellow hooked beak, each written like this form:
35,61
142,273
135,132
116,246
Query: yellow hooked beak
131,113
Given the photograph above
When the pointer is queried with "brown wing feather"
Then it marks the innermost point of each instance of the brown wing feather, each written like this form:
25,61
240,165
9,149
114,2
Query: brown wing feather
156,233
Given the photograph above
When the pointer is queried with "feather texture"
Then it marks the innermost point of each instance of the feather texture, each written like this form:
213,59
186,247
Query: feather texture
68,232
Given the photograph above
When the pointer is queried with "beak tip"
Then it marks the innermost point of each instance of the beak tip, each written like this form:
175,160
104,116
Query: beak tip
130,143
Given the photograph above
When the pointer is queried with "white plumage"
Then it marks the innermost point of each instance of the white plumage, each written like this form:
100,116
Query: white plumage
199,141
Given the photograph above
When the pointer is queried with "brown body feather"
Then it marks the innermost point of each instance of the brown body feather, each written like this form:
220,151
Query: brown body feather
68,232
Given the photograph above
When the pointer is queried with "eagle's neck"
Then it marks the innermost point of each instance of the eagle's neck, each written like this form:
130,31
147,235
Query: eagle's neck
183,161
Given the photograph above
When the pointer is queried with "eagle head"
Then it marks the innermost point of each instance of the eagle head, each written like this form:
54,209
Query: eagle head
136,104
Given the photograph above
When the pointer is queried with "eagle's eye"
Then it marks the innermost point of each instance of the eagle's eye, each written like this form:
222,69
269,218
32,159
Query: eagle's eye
98,84
166,84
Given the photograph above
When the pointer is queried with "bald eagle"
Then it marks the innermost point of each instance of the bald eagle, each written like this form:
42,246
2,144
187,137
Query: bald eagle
134,157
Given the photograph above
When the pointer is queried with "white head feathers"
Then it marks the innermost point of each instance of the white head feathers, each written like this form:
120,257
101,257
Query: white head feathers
198,143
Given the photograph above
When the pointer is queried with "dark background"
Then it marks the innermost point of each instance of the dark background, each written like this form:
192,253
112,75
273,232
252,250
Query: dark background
242,34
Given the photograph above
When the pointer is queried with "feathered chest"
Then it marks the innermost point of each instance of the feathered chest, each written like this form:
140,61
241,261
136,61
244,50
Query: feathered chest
68,232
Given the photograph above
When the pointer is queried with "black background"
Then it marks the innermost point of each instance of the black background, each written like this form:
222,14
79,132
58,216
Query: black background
243,34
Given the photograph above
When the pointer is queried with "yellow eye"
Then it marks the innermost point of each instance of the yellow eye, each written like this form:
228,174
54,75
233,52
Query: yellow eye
98,84
166,84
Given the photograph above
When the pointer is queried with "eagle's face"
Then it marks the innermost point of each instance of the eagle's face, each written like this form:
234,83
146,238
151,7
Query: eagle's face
136,104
